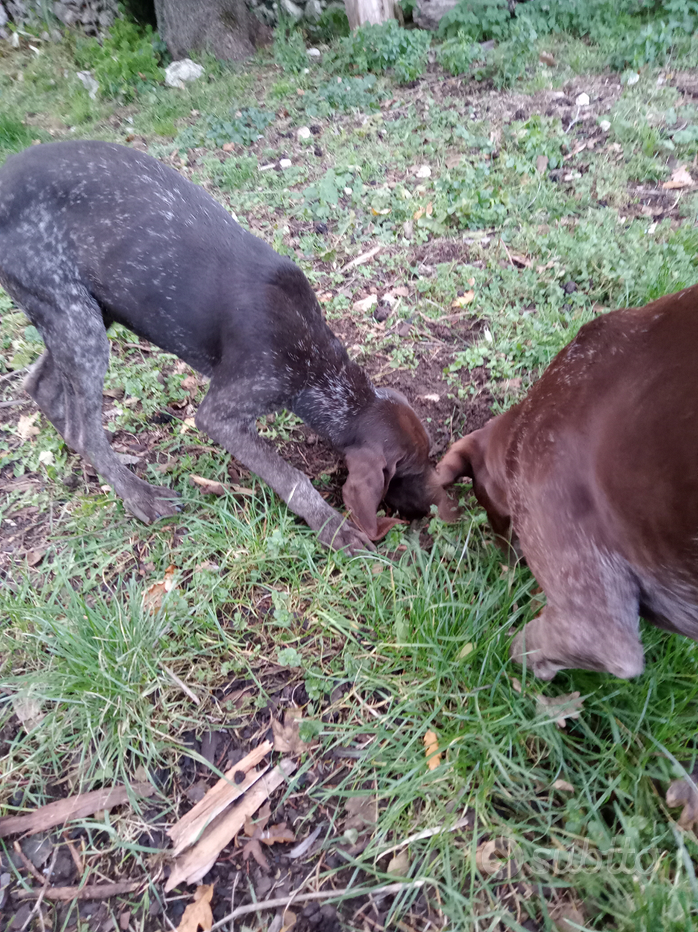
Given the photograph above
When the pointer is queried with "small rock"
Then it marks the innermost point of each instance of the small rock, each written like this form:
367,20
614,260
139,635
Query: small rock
313,53
14,42
382,312
403,328
605,125
88,82
313,10
631,77
320,227
570,287
293,10
179,72
285,163
423,172
582,100
304,133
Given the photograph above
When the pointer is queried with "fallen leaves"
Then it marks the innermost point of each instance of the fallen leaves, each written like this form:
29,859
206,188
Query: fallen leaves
26,428
287,739
463,300
198,914
365,304
561,708
496,857
563,786
400,864
541,164
154,595
362,813
27,708
431,749
210,486
680,178
683,792
259,834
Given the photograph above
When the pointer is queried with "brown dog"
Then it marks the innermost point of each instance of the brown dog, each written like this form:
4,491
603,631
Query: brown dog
596,473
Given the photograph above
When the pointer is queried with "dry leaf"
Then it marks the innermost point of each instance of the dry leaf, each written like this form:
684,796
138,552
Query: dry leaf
400,864
34,557
229,147
289,921
560,708
210,486
521,261
496,855
431,749
464,651
153,596
401,291
198,914
419,212
199,859
190,384
258,833
541,164
567,918
362,813
287,738
516,685
365,304
564,786
546,58
679,179
26,429
464,299
27,708
683,792
189,422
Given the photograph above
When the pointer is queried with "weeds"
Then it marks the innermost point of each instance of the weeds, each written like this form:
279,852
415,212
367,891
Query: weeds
127,60
383,48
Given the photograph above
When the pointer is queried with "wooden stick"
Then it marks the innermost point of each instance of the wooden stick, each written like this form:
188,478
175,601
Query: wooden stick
319,895
74,807
98,891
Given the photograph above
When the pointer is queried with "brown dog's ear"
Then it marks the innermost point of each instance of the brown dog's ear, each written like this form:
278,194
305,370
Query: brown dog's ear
458,461
369,475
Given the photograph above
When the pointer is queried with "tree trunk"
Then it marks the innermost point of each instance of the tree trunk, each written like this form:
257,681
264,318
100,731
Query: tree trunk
225,28
369,11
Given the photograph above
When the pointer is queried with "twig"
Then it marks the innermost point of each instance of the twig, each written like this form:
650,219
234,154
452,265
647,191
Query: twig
364,257
183,686
99,891
425,833
574,121
12,375
16,402
319,895
232,901
37,875
42,893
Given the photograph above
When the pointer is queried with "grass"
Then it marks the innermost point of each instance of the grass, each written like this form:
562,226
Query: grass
381,648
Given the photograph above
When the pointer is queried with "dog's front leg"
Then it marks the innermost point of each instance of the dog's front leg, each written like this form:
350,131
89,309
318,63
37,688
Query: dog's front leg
239,437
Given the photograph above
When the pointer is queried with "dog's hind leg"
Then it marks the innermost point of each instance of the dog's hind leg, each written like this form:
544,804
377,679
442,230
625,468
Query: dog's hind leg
67,384
590,621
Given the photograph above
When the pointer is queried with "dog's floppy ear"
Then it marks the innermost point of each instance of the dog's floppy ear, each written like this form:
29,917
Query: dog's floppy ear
369,475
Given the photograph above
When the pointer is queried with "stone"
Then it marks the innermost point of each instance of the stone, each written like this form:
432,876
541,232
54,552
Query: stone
179,72
285,163
293,10
88,82
423,172
313,11
304,133
582,100
315,54
429,13
605,125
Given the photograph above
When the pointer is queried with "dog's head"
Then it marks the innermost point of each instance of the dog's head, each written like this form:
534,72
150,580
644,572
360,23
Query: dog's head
480,456
389,462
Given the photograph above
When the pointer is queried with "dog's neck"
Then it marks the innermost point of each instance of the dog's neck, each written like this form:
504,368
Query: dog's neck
333,401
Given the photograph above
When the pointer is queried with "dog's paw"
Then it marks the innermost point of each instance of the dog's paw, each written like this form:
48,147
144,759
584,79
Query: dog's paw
151,502
345,536
523,651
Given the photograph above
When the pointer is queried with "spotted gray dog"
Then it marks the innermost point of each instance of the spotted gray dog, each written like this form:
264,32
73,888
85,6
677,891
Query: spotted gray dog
93,233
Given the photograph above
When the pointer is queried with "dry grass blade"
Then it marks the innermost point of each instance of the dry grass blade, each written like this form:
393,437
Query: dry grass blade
74,807
185,832
191,866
